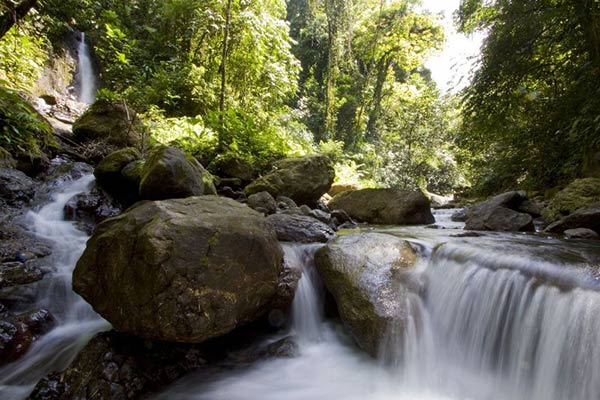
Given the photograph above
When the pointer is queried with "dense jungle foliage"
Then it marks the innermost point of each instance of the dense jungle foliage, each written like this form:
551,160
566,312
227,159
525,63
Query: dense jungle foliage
264,79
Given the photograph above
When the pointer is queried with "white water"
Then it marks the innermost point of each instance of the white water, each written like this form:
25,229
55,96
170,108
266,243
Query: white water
486,328
85,74
76,322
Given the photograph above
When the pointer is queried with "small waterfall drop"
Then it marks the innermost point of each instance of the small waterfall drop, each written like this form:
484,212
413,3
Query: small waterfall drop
85,74
76,321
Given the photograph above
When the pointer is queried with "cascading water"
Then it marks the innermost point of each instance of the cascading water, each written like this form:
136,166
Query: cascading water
85,74
76,322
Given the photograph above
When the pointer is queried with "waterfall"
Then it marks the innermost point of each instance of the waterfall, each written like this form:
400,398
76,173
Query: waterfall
76,322
85,75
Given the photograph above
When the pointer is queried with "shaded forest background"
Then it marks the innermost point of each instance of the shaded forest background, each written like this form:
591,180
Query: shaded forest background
261,80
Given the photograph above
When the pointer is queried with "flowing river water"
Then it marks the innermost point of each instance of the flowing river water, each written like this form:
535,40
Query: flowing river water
500,317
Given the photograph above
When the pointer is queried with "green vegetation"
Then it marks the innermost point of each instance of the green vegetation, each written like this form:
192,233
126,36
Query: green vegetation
260,80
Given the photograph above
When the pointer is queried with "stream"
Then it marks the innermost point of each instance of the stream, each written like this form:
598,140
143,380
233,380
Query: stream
501,316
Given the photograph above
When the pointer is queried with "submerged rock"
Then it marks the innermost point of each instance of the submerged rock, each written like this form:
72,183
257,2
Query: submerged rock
181,270
303,179
368,276
300,228
385,206
17,334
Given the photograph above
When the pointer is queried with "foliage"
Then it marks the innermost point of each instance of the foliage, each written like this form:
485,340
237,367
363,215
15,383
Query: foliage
22,131
533,110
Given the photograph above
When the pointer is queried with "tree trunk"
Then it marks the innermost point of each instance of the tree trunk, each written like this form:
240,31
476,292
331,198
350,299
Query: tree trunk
382,69
224,58
11,14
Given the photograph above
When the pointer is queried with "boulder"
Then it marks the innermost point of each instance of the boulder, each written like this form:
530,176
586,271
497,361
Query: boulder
368,276
182,270
580,193
114,124
89,209
581,233
17,334
338,188
385,206
303,179
300,228
231,166
587,217
499,219
168,174
111,177
500,213
15,187
262,200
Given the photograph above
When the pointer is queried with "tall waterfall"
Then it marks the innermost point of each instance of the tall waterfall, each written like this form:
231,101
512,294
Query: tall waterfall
85,75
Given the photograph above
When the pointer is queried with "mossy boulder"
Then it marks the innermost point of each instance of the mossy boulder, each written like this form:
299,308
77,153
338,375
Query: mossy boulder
168,174
585,217
580,193
112,123
110,175
385,206
181,270
368,275
303,179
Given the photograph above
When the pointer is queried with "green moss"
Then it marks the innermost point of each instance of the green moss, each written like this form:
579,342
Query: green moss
578,194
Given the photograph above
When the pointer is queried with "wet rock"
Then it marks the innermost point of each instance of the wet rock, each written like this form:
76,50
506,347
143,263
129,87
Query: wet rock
89,209
282,348
168,174
15,187
300,228
181,270
17,334
118,366
368,276
264,201
303,179
17,273
385,206
460,215
581,233
587,217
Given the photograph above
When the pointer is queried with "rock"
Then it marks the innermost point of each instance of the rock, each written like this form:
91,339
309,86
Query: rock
385,206
6,159
499,214
117,366
322,216
181,270
580,193
581,233
499,219
232,167
89,209
15,187
111,177
459,215
531,208
338,188
340,216
18,333
300,228
285,203
19,273
587,217
114,124
262,200
168,174
303,179
282,348
368,276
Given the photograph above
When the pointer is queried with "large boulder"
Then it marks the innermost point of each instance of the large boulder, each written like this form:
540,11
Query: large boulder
385,206
586,217
580,193
168,174
303,179
300,228
114,124
500,213
182,270
369,277
111,177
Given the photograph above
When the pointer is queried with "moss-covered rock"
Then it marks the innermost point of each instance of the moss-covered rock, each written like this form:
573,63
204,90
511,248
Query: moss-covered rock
168,174
580,193
109,175
385,206
303,179
368,276
181,270
114,124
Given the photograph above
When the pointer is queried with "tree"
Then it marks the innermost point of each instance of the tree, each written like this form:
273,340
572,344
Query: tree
12,12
